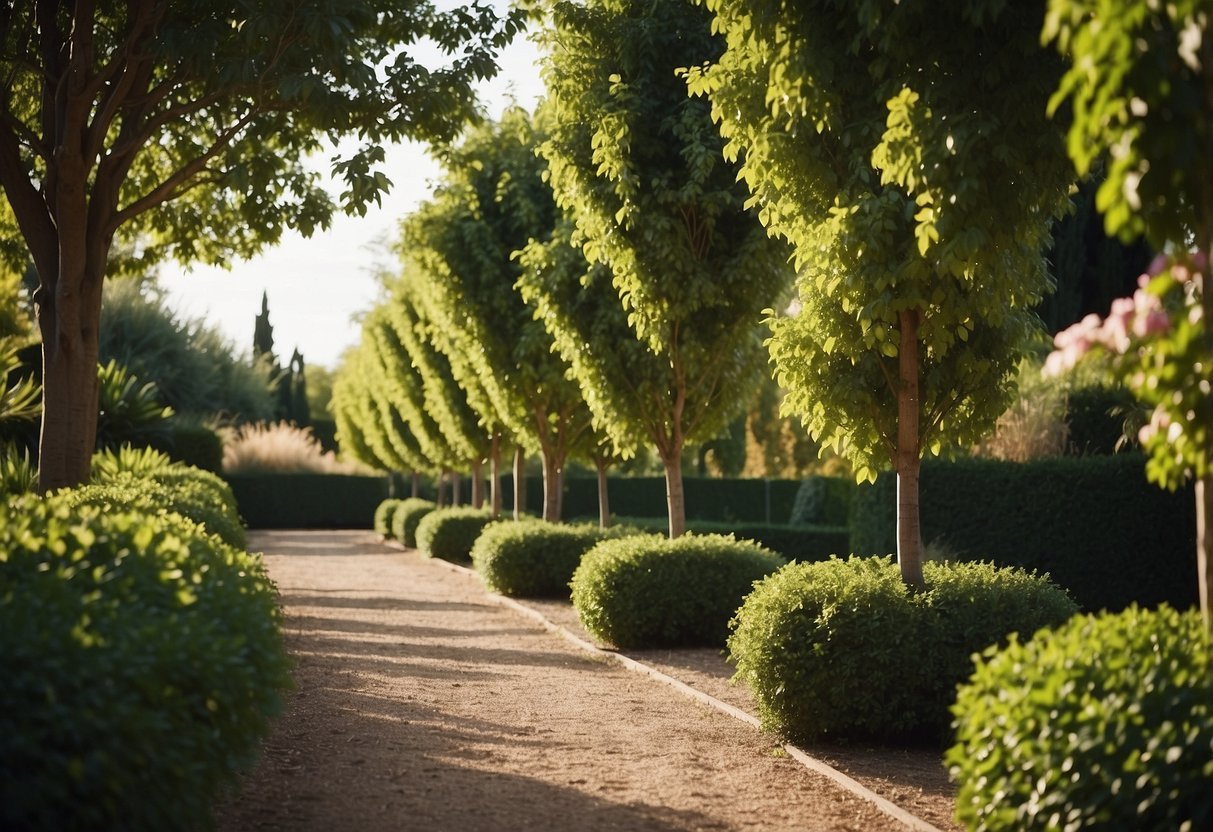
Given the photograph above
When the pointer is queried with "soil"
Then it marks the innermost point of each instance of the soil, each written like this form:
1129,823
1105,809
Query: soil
421,703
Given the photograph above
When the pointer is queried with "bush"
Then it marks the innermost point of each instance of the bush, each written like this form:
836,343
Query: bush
1096,418
449,533
384,513
1093,523
791,542
534,559
142,662
649,591
1104,723
843,649
823,501
193,445
408,516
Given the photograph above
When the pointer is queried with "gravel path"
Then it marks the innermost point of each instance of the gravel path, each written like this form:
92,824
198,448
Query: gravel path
422,705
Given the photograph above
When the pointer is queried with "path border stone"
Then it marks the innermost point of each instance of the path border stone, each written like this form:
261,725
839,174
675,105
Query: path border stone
810,762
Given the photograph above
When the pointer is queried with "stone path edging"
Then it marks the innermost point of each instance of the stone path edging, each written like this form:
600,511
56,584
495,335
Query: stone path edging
810,762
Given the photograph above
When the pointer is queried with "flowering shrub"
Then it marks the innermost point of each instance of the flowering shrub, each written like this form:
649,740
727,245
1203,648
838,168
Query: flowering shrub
1154,340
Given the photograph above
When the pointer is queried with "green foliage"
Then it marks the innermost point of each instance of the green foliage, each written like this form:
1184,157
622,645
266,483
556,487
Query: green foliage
791,542
1097,416
450,533
384,513
18,474
16,308
308,501
824,501
1106,722
648,591
142,662
1094,523
535,559
842,649
159,466
20,394
129,412
194,445
407,517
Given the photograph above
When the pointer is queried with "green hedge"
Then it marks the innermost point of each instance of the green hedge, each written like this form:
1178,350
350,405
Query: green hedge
707,498
141,662
649,591
791,542
1093,523
308,501
534,559
842,649
1105,723
823,501
192,445
449,533
385,512
408,517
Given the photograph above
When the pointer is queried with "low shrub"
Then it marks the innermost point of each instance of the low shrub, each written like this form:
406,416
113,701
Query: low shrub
142,661
185,496
1106,722
407,517
384,513
843,649
449,533
159,466
534,559
649,591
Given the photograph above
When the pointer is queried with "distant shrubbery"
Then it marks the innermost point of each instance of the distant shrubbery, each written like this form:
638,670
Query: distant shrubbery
408,517
534,559
384,513
280,447
449,533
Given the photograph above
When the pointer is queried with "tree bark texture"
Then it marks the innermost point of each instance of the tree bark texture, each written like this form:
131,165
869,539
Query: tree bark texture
456,488
440,496
416,485
495,475
552,487
909,456
604,501
477,484
675,496
519,483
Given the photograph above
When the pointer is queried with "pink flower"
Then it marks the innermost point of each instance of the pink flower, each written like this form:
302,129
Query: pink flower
1154,322
1158,265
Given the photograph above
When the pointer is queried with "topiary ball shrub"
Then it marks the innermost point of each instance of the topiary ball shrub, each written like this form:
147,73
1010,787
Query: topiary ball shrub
385,512
842,649
535,559
141,661
449,533
649,591
1103,723
407,517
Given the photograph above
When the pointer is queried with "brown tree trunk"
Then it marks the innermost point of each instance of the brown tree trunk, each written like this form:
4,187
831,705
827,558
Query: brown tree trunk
909,457
456,488
675,497
495,474
519,483
477,484
416,485
604,502
440,497
552,487
1204,547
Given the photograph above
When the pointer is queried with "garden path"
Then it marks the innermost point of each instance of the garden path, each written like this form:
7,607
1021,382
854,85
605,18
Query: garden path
421,704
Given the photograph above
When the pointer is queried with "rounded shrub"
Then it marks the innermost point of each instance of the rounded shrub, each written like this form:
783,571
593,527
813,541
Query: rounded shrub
384,513
649,591
449,533
842,648
1103,723
407,517
142,661
535,559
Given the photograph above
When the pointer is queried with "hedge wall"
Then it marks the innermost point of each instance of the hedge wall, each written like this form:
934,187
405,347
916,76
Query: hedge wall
1093,523
801,543
308,501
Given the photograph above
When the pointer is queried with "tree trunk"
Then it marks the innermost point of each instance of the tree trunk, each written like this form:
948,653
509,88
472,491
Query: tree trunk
1204,547
440,497
416,485
675,497
519,483
909,457
456,488
552,487
604,502
477,484
495,474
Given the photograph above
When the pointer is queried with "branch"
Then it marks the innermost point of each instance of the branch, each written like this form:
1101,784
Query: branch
30,209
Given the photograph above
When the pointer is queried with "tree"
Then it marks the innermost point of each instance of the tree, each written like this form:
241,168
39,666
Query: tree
636,164
185,127
1140,87
903,151
492,202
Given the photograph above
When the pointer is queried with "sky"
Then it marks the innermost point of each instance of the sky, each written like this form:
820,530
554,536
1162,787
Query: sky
318,286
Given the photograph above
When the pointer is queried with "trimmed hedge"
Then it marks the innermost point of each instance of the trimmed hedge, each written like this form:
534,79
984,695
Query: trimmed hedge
823,501
408,517
141,662
707,498
842,649
649,591
449,533
1105,723
384,514
1093,523
192,445
791,542
308,501
534,559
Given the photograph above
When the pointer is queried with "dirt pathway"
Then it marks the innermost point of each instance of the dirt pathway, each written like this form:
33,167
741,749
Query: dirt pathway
422,705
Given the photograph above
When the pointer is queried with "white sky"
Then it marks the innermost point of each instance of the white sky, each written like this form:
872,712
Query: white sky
318,286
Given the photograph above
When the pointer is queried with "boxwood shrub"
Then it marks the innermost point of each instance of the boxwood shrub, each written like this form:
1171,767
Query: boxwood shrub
407,517
534,559
449,533
843,649
142,662
384,513
650,591
1104,723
